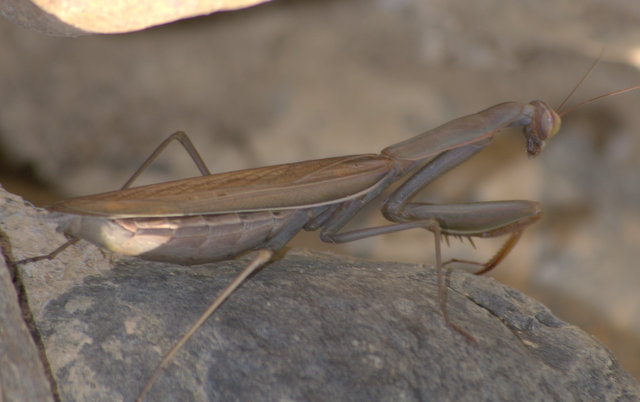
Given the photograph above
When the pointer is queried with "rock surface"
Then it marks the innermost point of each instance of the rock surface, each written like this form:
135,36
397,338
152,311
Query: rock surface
22,375
82,17
309,326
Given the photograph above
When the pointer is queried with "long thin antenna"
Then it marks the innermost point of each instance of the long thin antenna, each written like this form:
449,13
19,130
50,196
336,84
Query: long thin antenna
584,76
618,92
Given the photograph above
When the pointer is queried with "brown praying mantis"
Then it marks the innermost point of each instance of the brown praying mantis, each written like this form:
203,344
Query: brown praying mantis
220,216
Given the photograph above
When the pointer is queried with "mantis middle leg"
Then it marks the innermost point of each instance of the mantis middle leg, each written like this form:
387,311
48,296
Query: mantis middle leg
484,219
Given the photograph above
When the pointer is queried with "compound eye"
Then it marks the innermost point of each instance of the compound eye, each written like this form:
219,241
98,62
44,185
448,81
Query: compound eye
551,123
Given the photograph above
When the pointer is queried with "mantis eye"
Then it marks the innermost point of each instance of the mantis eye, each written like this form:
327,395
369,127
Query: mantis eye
551,122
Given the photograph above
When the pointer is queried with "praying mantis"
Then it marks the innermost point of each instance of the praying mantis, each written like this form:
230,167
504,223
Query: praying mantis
220,216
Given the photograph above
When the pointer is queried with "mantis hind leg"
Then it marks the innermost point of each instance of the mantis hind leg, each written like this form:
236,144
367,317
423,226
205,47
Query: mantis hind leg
186,143
51,255
262,257
179,136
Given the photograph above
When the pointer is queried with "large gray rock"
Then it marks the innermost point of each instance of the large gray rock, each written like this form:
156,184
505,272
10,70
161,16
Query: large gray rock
22,374
309,326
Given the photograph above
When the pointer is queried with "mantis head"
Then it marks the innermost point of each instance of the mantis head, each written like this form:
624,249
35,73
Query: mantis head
545,123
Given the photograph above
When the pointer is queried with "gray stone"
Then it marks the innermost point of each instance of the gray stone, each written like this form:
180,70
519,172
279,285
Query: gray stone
309,326
22,375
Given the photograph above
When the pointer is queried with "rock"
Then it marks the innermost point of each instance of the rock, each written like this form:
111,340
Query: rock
22,374
73,18
307,326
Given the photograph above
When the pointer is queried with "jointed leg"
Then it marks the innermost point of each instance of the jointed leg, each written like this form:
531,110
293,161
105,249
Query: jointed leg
508,245
179,136
429,224
183,139
51,255
262,257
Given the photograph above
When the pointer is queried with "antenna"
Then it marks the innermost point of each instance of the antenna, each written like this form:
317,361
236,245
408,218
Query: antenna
584,76
561,112
618,92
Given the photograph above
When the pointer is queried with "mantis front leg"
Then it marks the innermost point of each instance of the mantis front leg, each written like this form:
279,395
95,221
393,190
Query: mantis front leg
477,219
484,219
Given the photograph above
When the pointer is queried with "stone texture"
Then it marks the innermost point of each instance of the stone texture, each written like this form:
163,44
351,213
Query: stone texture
309,326
22,375
82,17
294,80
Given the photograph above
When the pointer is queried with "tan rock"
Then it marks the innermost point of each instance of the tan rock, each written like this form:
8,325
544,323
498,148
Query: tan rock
73,18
